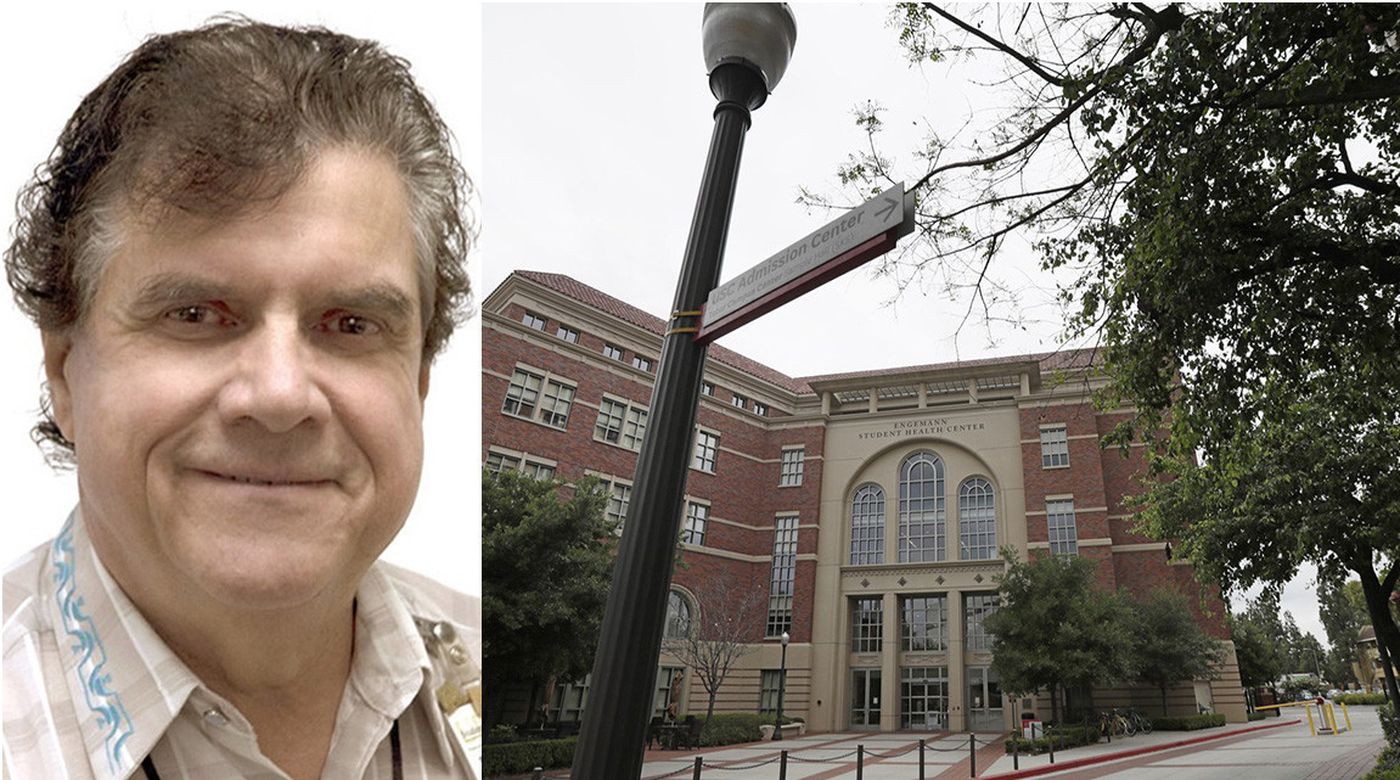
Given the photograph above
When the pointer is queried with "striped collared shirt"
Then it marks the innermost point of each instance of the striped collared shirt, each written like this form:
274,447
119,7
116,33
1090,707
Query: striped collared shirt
90,689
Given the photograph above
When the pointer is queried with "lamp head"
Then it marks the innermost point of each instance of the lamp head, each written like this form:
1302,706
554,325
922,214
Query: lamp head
786,638
759,36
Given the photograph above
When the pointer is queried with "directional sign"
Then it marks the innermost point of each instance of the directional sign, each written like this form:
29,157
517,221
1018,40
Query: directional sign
847,242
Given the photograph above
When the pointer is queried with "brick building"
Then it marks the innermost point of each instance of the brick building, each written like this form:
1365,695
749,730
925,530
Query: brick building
863,511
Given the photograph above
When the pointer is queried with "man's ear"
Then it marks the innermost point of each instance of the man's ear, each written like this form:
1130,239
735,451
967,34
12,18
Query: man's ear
423,381
57,348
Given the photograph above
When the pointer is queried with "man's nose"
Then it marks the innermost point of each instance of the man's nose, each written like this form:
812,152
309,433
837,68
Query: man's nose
275,383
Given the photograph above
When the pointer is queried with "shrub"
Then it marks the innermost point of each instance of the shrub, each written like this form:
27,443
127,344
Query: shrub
1205,720
1387,766
729,728
518,757
1063,738
1390,724
1353,699
1257,716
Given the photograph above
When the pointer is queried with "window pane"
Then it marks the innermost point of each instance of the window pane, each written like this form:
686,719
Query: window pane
977,520
784,574
925,623
978,607
791,469
867,625
868,525
522,394
696,516
706,451
1064,535
921,509
1054,447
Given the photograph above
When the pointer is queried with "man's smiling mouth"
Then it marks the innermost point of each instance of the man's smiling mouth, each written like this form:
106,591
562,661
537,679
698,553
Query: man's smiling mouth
265,482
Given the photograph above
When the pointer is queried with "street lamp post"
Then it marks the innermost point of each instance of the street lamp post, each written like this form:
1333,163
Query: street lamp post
782,686
747,48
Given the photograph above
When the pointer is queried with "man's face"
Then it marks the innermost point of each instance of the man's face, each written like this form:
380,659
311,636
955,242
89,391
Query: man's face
246,394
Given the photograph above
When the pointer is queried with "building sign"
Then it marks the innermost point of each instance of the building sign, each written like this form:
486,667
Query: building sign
925,426
845,243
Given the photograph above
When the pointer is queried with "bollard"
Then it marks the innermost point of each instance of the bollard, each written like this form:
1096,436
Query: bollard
921,759
860,762
782,765
538,773
1346,715
972,751
1311,728
699,760
1050,740
1016,754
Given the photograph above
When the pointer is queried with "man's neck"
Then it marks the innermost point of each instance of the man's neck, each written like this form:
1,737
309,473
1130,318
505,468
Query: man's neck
284,670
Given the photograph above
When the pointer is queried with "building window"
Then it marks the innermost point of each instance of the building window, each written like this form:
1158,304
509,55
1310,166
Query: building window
620,423
677,616
977,606
784,573
760,409
977,520
533,320
770,682
696,517
1064,536
1054,447
612,351
923,693
523,399
921,510
739,401
568,334
618,497
791,471
570,699
669,681
867,624
558,399
640,362
537,470
924,626
496,462
634,428
609,425
706,451
868,525
708,388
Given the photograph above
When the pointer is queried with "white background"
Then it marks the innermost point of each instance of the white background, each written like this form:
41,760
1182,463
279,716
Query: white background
54,53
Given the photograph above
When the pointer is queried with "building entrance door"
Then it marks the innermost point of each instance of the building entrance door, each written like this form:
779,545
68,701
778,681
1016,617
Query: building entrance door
984,700
865,698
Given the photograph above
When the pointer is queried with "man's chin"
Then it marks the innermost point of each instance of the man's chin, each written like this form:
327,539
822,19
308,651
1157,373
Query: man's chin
272,580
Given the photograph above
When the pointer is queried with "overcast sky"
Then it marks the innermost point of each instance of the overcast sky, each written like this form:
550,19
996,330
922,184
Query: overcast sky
51,54
595,125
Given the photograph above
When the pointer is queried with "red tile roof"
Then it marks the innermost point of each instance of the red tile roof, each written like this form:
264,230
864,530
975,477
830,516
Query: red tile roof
589,296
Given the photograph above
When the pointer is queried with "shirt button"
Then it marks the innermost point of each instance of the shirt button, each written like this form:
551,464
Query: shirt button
214,717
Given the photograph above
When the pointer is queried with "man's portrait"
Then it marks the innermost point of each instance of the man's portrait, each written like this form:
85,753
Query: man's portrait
240,255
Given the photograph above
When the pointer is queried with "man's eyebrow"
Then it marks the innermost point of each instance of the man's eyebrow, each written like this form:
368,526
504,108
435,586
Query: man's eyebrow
167,288
382,298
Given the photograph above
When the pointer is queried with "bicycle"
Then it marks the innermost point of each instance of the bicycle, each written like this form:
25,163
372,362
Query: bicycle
1142,722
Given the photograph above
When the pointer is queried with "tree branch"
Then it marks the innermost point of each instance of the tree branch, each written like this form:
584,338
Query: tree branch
1031,65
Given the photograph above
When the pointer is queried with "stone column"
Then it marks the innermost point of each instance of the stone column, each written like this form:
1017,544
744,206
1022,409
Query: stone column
957,674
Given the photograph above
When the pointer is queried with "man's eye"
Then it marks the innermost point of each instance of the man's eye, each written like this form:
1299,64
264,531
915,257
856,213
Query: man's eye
352,325
196,315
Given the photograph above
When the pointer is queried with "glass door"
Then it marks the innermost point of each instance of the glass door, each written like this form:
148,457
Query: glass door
865,698
984,700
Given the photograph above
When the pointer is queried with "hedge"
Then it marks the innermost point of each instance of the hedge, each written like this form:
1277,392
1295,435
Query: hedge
1205,720
1353,699
1066,737
1390,726
732,728
1387,766
513,758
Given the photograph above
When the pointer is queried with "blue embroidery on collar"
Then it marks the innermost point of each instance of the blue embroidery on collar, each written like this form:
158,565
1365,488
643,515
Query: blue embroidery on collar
92,656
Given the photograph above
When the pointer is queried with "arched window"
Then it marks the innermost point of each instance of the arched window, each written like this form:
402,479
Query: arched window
868,524
977,519
677,616
921,510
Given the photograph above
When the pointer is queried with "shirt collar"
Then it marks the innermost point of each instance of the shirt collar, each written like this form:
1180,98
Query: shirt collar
126,684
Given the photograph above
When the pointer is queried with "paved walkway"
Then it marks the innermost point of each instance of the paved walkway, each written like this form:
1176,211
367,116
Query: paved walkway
1284,752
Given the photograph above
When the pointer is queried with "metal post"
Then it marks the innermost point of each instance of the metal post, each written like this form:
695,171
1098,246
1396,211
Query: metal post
1016,753
1051,742
921,759
699,762
972,751
860,762
782,765
538,774
629,645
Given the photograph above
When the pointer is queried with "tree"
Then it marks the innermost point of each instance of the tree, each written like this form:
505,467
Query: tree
1054,628
1222,186
1256,653
723,632
1342,606
1169,646
550,560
